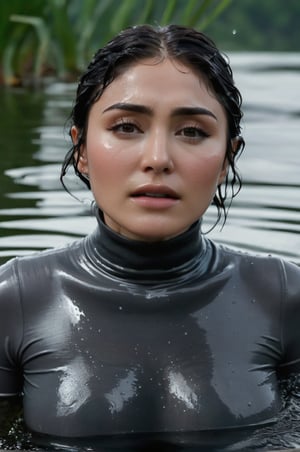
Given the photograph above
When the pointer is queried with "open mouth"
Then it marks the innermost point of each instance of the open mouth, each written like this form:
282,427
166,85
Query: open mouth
151,196
154,195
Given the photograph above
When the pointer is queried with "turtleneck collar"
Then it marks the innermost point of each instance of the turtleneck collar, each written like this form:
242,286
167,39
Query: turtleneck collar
135,259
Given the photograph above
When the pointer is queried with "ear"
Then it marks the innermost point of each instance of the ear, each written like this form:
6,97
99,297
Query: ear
236,143
224,171
235,146
82,164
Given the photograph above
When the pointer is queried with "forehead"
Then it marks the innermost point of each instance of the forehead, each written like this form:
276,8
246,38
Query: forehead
160,81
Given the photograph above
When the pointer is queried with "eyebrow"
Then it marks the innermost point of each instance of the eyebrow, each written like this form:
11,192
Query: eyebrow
180,111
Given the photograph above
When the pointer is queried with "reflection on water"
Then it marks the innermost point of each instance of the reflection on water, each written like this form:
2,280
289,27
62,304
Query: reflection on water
36,213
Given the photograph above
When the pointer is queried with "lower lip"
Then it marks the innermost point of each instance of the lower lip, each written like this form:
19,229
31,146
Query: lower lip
154,203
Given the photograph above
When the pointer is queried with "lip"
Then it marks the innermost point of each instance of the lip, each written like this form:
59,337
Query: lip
163,197
155,190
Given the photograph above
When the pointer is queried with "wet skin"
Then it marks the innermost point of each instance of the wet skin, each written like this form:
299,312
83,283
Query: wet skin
154,150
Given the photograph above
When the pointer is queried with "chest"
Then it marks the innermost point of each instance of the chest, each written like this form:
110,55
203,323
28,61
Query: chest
116,367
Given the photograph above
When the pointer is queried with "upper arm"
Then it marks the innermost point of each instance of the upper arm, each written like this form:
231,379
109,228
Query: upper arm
291,319
11,331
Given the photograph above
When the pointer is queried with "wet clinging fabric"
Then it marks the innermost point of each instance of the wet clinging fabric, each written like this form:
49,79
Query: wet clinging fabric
110,336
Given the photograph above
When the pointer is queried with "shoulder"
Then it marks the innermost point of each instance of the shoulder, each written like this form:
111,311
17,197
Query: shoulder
8,280
46,260
11,318
33,270
272,273
251,260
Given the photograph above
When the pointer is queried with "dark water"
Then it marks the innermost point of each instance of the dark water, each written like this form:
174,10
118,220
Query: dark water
35,213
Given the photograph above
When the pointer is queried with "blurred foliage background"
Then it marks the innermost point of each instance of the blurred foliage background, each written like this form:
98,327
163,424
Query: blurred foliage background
45,39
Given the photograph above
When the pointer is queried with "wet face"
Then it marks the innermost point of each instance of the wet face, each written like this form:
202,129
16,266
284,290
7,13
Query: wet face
155,150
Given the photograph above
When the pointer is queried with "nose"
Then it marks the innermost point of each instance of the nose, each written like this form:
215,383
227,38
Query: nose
157,153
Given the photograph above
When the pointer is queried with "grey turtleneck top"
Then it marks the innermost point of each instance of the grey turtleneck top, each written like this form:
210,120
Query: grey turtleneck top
110,337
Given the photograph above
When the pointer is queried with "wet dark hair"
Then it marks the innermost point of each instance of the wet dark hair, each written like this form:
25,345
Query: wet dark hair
190,47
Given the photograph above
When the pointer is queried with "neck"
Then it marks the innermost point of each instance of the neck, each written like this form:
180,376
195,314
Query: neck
146,260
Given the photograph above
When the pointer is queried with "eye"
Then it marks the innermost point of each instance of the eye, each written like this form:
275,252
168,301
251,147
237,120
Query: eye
125,127
192,132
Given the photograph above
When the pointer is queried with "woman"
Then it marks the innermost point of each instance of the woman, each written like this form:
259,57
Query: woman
146,332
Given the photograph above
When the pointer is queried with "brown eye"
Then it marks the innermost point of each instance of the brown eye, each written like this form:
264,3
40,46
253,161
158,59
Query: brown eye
192,132
125,128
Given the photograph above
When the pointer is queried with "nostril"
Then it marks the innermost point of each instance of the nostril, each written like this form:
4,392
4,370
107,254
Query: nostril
158,169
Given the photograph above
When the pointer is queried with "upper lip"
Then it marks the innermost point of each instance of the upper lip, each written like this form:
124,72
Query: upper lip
155,189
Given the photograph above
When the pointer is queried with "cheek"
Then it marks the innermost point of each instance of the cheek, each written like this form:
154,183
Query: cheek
102,172
205,172
109,169
101,159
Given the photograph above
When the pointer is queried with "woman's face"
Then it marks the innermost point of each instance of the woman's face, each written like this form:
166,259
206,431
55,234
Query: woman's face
154,150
